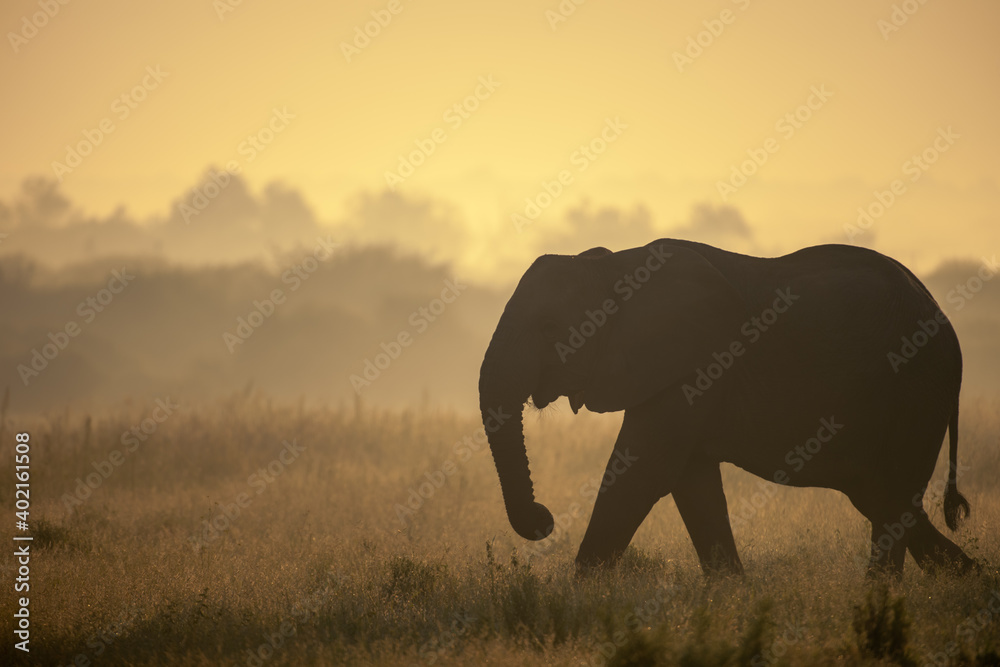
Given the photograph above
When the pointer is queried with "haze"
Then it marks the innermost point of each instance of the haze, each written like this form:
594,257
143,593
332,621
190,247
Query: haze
209,148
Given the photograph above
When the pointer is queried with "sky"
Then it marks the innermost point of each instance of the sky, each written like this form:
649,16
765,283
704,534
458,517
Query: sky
672,98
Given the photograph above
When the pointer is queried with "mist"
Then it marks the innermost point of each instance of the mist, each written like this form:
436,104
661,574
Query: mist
255,291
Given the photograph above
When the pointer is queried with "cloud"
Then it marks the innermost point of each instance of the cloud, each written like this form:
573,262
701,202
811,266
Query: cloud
40,205
969,293
615,228
42,223
164,334
585,227
218,221
221,221
714,225
423,226
236,224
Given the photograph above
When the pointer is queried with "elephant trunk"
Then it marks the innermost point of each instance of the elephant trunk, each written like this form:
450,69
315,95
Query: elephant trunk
504,385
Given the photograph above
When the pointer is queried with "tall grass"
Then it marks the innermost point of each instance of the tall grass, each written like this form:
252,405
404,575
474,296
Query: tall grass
326,563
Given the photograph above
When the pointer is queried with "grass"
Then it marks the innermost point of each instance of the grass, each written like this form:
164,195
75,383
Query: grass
205,548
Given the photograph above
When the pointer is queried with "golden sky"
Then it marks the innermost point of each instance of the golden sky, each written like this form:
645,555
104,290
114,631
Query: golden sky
890,92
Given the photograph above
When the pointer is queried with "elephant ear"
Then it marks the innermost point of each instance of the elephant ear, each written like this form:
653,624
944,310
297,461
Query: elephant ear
675,309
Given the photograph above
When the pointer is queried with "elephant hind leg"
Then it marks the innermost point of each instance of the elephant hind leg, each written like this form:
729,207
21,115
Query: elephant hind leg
889,538
933,551
701,502
887,553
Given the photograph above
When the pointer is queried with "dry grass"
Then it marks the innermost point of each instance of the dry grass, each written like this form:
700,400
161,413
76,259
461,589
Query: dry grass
321,554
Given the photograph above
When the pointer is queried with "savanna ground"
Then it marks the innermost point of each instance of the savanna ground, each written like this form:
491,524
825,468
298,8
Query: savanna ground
324,566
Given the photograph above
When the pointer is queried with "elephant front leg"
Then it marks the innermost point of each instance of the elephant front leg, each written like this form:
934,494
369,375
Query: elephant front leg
642,469
701,502
625,498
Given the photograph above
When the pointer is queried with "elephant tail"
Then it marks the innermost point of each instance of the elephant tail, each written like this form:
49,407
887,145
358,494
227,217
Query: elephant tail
956,507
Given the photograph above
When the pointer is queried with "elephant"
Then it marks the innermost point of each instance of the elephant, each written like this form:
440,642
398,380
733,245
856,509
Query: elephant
832,366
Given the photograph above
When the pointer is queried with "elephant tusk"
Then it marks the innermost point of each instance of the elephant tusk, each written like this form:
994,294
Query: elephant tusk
576,402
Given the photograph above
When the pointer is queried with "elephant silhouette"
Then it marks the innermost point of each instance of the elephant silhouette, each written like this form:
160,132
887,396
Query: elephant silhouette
831,367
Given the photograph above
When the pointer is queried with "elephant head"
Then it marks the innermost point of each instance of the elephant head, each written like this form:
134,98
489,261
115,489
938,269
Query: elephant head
608,330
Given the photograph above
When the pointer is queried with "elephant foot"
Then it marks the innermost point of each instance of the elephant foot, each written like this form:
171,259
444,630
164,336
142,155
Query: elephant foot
935,553
589,569
591,563
950,564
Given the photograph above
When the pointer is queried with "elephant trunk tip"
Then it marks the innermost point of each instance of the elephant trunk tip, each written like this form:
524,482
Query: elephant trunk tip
534,524
956,507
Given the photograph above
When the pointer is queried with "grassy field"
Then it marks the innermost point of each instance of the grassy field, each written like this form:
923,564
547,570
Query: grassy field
249,533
